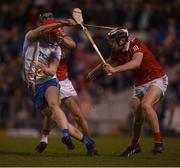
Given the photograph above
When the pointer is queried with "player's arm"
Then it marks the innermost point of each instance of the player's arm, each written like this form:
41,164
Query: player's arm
68,42
95,71
133,64
48,70
36,33
67,22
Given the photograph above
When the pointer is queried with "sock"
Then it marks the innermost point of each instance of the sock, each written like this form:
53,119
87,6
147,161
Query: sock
44,138
135,141
86,140
157,137
65,132
45,135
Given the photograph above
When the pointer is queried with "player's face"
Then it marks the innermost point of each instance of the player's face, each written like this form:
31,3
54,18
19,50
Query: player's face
52,38
118,45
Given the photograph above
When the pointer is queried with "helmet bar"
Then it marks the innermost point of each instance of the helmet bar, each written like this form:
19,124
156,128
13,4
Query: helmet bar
118,33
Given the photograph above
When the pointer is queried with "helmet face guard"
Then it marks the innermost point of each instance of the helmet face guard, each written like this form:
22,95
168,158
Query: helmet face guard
118,33
118,38
45,16
54,36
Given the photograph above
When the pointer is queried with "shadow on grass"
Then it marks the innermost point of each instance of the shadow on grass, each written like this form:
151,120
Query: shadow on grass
51,154
45,154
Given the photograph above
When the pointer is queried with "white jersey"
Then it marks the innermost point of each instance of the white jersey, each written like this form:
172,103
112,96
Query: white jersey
46,54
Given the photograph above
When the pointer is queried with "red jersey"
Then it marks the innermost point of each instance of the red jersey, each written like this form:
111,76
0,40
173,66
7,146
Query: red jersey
149,69
62,71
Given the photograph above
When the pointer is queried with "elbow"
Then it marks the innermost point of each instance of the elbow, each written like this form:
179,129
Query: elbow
52,73
137,65
69,43
72,45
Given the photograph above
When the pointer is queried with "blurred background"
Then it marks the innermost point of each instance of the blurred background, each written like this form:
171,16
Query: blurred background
104,101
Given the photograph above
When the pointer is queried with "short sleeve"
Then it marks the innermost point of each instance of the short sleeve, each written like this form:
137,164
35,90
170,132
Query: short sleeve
26,41
136,46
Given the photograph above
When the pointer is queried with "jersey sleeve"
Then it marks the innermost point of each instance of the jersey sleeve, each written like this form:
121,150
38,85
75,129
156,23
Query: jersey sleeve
26,41
136,46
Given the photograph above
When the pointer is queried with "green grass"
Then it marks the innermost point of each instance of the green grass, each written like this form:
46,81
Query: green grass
20,152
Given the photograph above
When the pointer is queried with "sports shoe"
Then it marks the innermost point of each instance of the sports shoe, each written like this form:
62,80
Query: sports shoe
131,150
68,142
91,150
158,148
41,147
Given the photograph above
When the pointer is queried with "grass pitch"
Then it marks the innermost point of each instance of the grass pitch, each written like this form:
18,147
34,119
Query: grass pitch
20,152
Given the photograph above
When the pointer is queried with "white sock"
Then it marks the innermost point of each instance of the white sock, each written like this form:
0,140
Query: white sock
44,138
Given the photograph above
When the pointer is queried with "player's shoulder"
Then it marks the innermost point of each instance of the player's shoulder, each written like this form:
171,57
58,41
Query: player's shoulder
135,40
26,36
27,33
135,44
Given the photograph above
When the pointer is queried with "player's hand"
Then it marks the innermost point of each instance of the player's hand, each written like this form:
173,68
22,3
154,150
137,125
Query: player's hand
40,68
72,22
68,22
109,69
91,75
32,84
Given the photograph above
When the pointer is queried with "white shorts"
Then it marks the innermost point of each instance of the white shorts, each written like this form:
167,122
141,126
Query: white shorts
66,89
161,83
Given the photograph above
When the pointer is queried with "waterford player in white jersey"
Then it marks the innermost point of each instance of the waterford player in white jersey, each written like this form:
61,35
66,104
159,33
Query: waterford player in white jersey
41,55
68,97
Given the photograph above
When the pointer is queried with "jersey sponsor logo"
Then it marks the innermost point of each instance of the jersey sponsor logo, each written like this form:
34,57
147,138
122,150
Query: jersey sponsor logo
43,55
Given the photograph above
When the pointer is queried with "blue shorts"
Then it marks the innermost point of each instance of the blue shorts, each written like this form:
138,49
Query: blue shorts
39,96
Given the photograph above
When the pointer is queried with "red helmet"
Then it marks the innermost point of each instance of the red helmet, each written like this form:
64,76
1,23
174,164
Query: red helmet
52,36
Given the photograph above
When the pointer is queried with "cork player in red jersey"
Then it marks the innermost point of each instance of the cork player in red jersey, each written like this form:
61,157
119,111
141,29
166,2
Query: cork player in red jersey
150,83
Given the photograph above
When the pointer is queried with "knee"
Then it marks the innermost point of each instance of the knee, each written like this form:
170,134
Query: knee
78,115
52,105
146,106
134,105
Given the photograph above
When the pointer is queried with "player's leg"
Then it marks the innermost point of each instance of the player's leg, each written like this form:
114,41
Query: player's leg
73,105
47,122
151,97
138,120
52,98
137,127
73,131
77,134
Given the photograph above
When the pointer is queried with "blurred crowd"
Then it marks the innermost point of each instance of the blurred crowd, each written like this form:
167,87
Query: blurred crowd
155,21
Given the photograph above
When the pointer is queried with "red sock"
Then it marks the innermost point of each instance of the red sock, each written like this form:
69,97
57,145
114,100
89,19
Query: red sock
46,131
135,141
157,137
